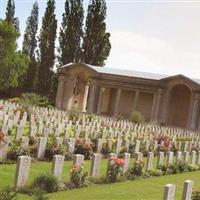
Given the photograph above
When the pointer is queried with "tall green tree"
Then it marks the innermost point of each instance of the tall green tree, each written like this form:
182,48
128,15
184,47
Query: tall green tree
47,48
71,32
29,47
10,15
13,63
96,43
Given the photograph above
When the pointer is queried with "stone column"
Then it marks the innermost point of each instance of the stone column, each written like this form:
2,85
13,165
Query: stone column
92,98
100,100
85,99
158,104
59,95
67,99
194,112
136,100
153,107
117,102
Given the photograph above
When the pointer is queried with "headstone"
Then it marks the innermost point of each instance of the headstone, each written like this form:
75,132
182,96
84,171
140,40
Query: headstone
178,156
71,144
78,159
150,157
95,165
3,150
99,145
169,191
57,166
22,171
41,148
24,142
187,190
186,156
160,158
137,146
193,160
127,161
118,146
138,156
19,130
170,156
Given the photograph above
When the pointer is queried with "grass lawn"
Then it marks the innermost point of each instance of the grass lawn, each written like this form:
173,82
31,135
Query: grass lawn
144,189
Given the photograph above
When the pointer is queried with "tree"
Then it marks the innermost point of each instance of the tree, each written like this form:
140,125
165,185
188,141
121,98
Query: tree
10,15
29,47
47,47
96,43
71,32
13,64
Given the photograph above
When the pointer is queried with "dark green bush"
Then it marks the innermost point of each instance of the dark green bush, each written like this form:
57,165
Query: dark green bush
7,193
46,182
196,195
136,117
15,150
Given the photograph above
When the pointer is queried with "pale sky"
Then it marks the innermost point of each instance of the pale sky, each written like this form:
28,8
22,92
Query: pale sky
152,36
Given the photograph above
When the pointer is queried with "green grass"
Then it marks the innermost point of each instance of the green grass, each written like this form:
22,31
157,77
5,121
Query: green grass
144,189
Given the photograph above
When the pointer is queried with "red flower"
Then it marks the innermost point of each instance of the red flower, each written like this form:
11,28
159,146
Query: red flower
74,167
1,136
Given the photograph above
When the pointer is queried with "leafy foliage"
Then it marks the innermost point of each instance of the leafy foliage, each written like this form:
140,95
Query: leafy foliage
47,48
29,47
137,117
96,43
13,64
71,32
7,193
46,182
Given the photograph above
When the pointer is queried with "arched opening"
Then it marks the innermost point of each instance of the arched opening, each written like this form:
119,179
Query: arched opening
180,96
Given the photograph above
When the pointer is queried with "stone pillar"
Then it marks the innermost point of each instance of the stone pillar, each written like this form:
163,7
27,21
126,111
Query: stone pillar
85,99
100,100
92,98
136,100
194,112
153,107
117,102
59,95
157,108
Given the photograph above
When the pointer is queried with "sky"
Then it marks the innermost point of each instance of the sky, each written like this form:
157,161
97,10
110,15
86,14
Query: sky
157,36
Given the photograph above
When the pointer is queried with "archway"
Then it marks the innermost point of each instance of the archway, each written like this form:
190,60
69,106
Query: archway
180,96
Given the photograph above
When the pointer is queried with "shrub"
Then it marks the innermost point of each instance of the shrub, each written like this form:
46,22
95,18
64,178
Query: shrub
115,170
136,171
136,117
81,147
7,193
77,177
46,182
16,150
196,195
53,149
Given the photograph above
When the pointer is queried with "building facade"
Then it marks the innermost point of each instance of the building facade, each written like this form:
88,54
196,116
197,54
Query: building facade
174,100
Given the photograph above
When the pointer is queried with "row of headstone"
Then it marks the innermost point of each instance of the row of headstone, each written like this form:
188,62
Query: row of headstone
169,191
